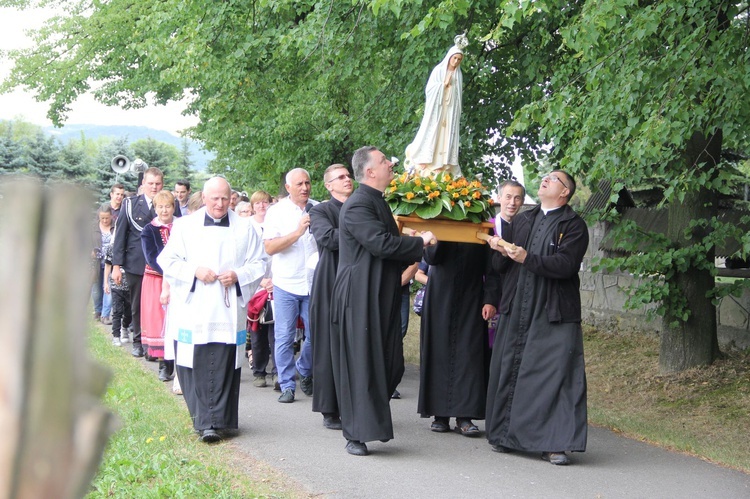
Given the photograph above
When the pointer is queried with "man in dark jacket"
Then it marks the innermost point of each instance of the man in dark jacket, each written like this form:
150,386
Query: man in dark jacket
536,401
127,252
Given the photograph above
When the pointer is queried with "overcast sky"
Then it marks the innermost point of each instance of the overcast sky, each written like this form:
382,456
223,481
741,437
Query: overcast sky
85,110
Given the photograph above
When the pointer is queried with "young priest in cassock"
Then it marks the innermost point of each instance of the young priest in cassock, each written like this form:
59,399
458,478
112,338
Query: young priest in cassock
214,261
366,341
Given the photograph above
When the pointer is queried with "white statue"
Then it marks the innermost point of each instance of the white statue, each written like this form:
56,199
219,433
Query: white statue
435,147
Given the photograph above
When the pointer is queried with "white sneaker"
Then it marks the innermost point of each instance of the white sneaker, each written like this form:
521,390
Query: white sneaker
116,342
125,338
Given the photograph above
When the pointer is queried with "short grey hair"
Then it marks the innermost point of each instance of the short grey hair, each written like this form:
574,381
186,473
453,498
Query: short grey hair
288,178
360,160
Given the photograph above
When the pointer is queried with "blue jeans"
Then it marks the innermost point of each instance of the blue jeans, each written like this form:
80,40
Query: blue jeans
287,307
102,301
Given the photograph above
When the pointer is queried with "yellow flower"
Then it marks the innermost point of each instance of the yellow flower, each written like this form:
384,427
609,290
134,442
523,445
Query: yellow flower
417,181
149,440
393,189
464,191
476,195
456,195
467,204
447,177
409,195
427,188
162,438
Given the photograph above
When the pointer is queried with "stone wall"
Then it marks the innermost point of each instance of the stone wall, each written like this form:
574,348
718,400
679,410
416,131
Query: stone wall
603,299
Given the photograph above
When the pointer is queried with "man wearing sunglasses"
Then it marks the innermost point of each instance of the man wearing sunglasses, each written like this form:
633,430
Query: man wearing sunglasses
536,400
324,225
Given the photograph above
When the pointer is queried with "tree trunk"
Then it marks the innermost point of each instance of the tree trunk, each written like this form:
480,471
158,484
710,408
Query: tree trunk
693,342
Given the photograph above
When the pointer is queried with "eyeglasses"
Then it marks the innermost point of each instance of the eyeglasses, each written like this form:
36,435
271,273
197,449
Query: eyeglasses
555,178
343,176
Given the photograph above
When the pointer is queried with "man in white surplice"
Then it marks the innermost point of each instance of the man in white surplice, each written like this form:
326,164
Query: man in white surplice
213,262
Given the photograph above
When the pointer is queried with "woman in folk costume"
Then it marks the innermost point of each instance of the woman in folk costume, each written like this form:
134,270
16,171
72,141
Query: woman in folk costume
153,239
214,262
435,147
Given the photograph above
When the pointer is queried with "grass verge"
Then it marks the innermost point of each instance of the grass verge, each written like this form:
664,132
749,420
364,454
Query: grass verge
155,453
702,411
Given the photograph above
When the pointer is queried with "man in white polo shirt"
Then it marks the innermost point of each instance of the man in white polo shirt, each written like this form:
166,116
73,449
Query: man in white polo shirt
288,240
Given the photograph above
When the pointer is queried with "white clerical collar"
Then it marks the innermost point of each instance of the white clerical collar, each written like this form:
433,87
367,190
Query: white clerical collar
547,210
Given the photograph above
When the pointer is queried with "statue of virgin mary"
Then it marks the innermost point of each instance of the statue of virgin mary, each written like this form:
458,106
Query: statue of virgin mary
435,147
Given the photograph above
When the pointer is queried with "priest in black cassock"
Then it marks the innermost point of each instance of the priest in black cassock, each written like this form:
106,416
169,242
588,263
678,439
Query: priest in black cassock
213,261
536,401
366,304
461,297
324,225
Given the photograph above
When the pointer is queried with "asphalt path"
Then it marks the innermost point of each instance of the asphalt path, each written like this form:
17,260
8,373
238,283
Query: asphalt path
420,463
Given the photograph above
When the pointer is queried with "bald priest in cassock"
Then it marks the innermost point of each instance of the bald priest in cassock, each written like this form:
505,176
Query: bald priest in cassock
213,261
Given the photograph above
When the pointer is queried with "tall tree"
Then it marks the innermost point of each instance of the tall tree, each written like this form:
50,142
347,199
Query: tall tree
42,155
644,93
184,170
160,155
11,152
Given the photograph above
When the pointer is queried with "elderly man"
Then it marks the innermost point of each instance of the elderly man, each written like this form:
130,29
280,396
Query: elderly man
324,224
288,240
213,262
536,400
366,301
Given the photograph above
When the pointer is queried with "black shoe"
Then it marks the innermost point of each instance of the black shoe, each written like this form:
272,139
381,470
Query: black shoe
210,436
332,421
440,425
356,448
164,374
502,449
558,458
306,384
466,428
137,351
396,394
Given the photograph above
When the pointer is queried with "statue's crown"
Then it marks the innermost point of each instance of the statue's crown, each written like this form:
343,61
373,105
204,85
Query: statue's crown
461,41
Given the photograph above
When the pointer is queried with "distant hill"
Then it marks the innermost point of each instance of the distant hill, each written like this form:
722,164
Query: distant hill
199,156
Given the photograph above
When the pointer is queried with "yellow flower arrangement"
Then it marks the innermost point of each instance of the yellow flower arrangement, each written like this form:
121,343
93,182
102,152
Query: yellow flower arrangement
441,196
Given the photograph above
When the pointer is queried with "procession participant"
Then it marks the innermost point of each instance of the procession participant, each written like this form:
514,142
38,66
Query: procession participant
214,262
366,337
536,400
454,352
324,224
153,238
288,240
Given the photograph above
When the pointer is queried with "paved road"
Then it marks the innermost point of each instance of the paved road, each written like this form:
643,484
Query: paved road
420,463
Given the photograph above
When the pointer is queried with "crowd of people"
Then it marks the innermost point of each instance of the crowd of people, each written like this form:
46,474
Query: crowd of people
316,294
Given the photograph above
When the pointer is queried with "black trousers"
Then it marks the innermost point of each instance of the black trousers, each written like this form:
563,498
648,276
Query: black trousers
121,314
262,343
134,282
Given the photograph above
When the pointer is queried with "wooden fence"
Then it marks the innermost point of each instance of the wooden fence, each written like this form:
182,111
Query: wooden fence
54,426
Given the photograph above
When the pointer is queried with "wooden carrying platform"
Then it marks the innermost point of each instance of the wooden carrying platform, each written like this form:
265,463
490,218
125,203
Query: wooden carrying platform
446,230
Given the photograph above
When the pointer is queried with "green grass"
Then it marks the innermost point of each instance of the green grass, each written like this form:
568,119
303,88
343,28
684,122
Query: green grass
155,453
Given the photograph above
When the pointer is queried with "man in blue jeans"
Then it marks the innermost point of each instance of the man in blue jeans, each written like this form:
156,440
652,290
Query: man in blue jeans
288,240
